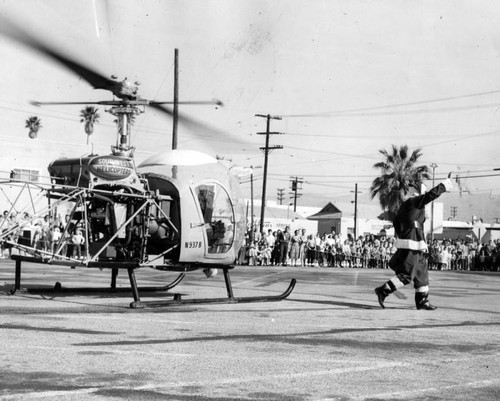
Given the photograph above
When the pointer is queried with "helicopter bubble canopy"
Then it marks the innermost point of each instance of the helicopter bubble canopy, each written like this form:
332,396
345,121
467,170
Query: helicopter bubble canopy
178,158
192,173
190,166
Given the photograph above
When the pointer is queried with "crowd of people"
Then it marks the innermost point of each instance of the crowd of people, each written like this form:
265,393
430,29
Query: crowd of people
467,254
40,234
276,248
299,248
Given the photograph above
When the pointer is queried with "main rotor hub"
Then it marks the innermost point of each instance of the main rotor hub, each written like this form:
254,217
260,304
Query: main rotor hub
127,89
125,114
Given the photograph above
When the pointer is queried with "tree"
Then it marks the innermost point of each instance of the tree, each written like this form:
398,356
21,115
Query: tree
90,116
33,124
399,172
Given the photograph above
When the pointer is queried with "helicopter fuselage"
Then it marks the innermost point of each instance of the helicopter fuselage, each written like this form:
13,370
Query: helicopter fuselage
151,218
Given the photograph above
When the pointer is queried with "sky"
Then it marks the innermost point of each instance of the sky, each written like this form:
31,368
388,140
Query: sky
347,78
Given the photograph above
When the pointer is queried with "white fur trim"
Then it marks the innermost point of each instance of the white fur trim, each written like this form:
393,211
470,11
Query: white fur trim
425,288
448,184
397,282
411,244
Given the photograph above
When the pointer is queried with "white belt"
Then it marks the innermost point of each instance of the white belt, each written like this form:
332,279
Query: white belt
411,244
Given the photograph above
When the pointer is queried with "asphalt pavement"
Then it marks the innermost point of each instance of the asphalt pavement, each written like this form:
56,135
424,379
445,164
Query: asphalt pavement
330,340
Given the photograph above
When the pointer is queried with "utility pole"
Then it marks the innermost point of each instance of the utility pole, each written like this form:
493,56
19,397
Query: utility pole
433,165
266,150
295,188
454,210
355,211
281,195
251,206
175,115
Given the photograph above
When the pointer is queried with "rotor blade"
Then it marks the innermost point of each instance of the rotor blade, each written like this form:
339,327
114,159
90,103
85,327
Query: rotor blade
196,126
138,102
97,80
103,102
215,102
163,109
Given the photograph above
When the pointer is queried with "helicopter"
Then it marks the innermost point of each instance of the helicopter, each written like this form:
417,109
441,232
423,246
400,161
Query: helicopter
177,211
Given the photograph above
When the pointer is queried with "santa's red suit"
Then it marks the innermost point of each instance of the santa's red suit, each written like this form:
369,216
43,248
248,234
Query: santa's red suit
409,262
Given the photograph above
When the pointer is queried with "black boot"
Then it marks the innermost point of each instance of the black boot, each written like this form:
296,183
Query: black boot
383,292
422,301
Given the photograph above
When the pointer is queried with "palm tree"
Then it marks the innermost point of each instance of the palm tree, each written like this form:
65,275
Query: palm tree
90,116
33,124
398,173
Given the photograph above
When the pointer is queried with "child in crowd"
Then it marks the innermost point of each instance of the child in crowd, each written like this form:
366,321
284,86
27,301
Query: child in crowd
77,240
265,254
253,255
55,237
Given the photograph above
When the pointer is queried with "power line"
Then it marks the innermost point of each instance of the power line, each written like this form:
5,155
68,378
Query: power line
373,175
375,155
356,137
400,112
496,132
444,99
466,177
326,175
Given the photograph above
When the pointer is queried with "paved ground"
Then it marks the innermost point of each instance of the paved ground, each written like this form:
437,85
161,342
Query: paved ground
329,341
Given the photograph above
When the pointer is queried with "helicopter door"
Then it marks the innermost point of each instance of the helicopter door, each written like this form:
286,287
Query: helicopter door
218,215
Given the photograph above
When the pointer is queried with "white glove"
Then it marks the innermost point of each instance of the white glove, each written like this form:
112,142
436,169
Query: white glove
447,183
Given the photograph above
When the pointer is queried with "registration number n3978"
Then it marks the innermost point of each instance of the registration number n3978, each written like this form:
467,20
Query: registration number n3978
192,244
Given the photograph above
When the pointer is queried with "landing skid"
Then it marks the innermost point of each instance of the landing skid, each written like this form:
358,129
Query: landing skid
231,299
134,288
58,288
